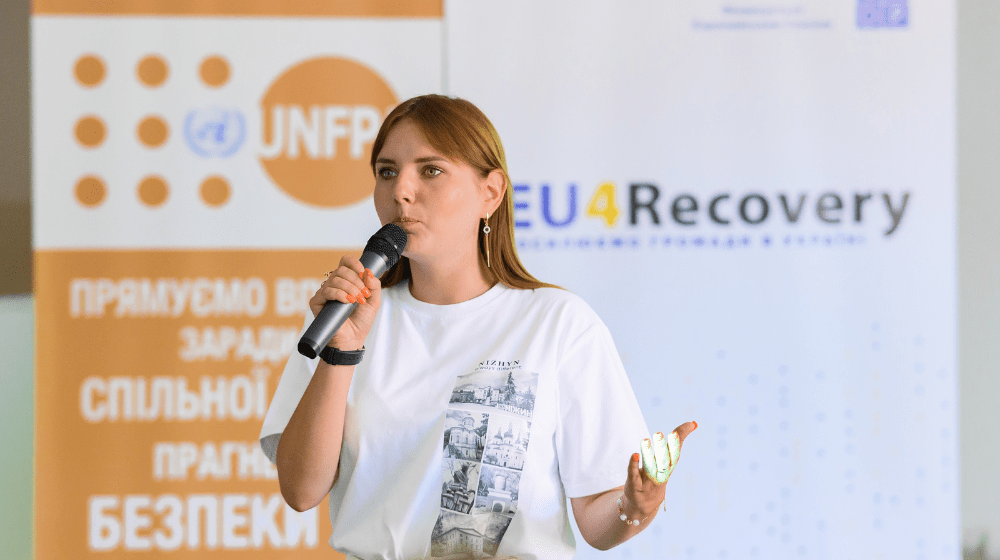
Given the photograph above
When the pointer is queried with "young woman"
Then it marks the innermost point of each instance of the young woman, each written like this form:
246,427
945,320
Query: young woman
484,397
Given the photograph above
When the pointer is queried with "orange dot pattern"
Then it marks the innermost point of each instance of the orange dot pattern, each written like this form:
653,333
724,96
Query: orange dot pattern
214,71
90,131
152,71
215,191
90,191
153,131
89,70
153,191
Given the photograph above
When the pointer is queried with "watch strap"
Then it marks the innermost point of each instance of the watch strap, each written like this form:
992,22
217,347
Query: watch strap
337,357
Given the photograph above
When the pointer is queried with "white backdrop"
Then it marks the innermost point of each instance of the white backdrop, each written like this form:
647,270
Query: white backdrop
818,358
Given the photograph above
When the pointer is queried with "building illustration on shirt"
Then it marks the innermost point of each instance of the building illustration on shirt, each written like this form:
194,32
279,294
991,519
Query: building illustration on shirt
507,449
479,535
463,540
498,491
485,443
501,391
464,435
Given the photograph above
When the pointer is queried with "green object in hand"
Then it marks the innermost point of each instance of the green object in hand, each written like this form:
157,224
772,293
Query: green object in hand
659,456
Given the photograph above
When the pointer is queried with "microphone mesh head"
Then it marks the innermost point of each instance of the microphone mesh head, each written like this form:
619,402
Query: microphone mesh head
389,241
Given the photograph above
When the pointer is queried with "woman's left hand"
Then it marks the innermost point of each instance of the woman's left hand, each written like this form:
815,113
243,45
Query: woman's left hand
649,470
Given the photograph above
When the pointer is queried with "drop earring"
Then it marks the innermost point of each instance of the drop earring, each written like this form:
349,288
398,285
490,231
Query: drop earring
486,238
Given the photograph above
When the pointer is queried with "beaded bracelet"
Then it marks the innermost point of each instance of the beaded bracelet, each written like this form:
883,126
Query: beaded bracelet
623,517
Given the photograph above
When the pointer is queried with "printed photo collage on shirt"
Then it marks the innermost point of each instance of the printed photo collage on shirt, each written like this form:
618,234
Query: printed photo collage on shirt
486,434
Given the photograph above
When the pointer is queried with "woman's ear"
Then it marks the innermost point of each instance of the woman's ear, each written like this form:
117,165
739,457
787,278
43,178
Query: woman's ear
495,187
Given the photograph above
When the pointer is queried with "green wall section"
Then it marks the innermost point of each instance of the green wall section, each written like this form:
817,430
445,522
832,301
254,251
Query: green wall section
17,367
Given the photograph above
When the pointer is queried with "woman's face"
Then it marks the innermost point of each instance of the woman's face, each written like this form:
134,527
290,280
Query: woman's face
437,201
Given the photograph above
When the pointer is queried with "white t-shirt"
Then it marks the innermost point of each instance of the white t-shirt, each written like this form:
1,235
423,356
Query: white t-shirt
468,426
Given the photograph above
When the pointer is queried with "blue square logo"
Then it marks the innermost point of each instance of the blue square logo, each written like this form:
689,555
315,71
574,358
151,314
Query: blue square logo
882,13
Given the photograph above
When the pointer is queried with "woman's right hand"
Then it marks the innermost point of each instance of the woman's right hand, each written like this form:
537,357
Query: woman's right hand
351,282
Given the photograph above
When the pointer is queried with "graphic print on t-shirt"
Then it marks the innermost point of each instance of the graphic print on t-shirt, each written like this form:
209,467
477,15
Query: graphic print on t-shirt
464,434
487,429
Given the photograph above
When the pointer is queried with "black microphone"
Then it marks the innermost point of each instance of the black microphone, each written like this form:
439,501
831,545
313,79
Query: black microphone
381,254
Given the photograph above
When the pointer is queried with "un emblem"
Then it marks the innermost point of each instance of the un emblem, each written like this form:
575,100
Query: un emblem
214,131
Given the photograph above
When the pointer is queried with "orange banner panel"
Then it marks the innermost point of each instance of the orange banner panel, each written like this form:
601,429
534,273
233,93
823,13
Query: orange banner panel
302,8
154,371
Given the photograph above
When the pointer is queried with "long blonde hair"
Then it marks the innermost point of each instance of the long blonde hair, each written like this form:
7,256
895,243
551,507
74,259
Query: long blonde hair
460,131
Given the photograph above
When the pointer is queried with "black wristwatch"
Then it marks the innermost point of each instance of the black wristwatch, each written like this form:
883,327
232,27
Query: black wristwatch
336,357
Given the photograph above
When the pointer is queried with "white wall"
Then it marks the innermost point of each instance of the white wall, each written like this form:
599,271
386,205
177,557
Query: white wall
979,267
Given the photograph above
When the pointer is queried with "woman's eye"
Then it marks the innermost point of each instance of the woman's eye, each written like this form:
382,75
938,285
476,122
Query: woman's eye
432,171
386,173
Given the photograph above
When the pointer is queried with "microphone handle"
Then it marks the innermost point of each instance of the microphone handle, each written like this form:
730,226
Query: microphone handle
334,313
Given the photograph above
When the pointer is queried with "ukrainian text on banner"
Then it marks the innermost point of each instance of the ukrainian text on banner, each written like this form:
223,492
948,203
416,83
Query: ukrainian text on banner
759,201
197,166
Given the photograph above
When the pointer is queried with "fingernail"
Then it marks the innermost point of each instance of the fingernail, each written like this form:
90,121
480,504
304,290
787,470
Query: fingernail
646,442
361,300
695,424
367,292
351,298
659,435
369,273
635,457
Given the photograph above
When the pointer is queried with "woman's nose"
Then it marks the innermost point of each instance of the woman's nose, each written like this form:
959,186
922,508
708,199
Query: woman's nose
405,187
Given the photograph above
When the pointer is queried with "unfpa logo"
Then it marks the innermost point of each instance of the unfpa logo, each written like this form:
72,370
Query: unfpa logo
319,120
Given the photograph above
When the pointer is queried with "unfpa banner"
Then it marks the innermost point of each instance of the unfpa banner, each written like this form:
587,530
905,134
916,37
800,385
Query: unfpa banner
196,164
